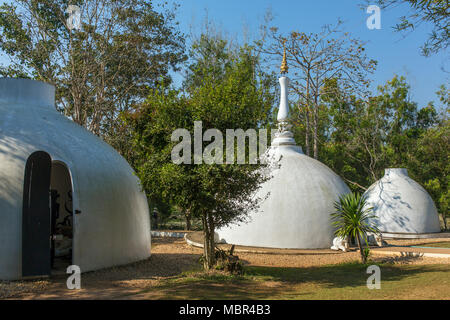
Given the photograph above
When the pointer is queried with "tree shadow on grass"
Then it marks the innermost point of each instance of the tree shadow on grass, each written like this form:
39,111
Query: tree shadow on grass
211,288
343,275
178,276
295,283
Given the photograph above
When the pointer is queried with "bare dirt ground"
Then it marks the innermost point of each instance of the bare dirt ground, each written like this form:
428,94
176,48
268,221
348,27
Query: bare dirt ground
170,257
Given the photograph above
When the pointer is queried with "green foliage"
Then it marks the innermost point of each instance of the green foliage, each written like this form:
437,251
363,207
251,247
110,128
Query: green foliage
351,219
362,137
230,94
351,216
123,48
366,253
429,164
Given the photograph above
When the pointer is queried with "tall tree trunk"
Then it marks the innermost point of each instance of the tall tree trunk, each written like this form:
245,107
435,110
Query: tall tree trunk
187,215
308,130
155,219
308,126
208,243
316,128
363,257
444,216
315,146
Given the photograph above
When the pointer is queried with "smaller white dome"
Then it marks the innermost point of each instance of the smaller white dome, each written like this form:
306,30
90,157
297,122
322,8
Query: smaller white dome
401,205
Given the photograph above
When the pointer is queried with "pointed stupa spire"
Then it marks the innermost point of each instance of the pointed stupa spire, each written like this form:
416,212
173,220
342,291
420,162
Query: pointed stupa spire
284,136
286,218
284,66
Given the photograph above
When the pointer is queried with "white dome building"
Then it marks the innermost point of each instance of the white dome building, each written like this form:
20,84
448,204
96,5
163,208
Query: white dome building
401,205
60,182
301,194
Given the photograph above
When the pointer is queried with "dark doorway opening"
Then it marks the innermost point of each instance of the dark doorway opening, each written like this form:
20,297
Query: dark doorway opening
36,228
47,227
62,217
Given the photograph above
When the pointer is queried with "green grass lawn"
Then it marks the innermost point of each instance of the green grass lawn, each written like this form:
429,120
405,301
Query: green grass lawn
345,281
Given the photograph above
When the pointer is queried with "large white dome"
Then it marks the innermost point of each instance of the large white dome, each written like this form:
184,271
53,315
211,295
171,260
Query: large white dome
296,213
301,193
401,205
111,223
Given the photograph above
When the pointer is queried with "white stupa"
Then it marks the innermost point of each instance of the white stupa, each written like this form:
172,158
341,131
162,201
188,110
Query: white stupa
401,205
301,193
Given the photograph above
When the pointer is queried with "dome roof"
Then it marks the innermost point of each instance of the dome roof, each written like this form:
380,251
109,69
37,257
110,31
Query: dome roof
112,226
401,205
296,213
298,199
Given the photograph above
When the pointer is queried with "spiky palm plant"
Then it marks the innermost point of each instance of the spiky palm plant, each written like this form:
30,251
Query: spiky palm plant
351,218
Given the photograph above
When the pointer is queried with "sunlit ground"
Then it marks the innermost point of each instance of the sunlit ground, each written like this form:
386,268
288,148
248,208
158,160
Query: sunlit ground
173,272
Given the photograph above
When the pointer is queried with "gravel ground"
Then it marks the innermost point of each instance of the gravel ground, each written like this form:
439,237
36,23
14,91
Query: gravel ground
170,257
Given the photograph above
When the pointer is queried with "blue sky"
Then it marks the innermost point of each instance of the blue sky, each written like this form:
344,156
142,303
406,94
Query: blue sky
394,53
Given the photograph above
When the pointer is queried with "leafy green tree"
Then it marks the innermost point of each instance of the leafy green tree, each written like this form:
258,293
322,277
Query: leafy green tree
429,164
363,137
122,48
227,94
403,121
351,219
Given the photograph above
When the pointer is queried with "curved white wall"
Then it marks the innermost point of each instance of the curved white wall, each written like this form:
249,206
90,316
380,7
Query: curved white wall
114,225
296,213
402,205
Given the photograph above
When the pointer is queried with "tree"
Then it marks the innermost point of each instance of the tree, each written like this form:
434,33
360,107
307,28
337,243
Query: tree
354,145
228,94
429,160
351,219
314,58
365,136
435,12
122,48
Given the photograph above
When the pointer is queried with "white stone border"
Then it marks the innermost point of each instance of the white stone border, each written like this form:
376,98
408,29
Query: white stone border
412,254
192,243
168,234
389,235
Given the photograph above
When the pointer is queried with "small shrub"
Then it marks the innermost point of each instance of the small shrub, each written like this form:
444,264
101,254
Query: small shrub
366,253
227,262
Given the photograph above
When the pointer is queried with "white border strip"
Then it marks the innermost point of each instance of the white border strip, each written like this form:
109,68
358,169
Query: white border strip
168,234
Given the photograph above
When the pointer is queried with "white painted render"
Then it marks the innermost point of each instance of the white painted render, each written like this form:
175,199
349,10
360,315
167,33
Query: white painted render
402,205
299,197
296,214
283,111
113,227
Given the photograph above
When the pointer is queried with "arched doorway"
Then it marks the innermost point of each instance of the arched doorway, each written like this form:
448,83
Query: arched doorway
62,216
36,224
47,225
